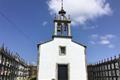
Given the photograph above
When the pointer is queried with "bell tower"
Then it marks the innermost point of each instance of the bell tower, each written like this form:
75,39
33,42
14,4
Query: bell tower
62,24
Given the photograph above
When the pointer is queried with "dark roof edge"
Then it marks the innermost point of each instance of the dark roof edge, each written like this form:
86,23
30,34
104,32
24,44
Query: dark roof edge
43,43
79,43
69,37
61,36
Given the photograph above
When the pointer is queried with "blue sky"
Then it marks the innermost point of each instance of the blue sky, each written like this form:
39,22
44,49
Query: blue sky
24,23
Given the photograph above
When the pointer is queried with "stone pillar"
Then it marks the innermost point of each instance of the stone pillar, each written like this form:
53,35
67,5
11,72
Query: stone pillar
55,30
69,29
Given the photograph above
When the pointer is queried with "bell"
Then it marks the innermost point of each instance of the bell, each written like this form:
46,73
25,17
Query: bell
59,29
65,28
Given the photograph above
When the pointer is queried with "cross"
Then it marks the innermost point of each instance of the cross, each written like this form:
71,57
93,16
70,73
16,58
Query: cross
62,4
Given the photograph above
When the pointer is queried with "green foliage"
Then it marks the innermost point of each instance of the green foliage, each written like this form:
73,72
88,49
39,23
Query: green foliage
33,78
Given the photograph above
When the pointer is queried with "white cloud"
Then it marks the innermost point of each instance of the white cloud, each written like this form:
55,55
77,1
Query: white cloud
90,27
111,46
44,23
81,10
106,40
93,42
108,36
94,36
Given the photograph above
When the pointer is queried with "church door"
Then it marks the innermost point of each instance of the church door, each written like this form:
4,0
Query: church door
62,72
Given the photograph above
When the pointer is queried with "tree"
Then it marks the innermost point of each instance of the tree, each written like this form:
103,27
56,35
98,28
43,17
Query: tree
33,78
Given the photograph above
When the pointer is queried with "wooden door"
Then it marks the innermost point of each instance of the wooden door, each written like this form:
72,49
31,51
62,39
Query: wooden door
62,72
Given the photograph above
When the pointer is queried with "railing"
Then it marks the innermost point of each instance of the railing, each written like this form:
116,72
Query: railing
105,70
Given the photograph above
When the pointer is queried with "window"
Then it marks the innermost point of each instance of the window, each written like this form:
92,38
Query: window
62,50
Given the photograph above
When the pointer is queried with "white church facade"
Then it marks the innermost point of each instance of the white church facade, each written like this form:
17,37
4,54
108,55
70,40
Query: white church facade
62,58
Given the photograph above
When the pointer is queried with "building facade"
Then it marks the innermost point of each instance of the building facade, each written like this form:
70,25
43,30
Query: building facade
12,67
105,70
62,58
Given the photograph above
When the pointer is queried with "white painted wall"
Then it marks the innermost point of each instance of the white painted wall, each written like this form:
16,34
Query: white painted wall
49,58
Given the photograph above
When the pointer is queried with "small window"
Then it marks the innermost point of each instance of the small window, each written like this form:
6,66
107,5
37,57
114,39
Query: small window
62,50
